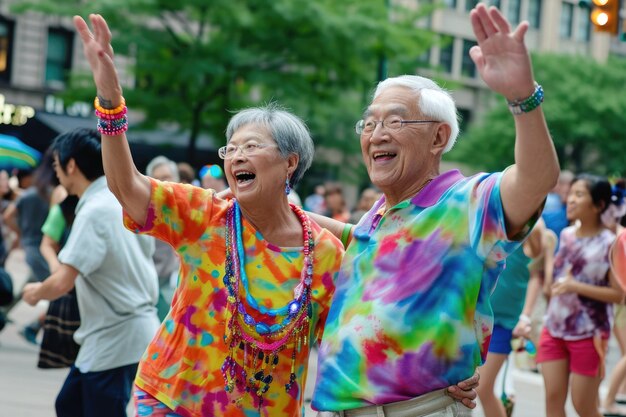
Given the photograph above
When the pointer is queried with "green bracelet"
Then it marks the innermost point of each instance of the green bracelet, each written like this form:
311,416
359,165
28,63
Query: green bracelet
518,107
345,234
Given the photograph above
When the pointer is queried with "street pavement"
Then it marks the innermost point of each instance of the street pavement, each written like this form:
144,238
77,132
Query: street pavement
26,391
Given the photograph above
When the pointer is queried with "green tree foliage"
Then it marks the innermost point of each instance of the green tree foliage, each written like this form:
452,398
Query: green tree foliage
584,106
196,61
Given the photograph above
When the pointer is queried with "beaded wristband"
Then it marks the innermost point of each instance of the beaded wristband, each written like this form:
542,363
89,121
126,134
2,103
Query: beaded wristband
119,115
345,234
112,125
525,319
526,105
118,109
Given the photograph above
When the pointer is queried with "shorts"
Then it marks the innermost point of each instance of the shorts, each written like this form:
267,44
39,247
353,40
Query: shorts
500,340
582,355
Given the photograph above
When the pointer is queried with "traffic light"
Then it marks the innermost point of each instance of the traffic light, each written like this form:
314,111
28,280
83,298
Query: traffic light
605,15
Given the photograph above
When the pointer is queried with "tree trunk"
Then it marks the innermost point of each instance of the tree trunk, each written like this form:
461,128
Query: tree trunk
194,132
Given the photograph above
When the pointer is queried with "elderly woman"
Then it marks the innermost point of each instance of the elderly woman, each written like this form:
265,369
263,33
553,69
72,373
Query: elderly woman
256,274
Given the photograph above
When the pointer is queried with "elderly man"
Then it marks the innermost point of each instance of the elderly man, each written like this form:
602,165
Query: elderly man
411,313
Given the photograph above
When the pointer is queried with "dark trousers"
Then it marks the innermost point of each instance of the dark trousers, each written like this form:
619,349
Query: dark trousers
96,394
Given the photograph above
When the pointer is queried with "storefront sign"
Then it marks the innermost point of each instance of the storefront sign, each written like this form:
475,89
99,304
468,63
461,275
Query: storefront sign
13,114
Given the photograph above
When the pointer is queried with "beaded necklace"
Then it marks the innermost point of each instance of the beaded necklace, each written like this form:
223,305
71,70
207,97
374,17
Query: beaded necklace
253,344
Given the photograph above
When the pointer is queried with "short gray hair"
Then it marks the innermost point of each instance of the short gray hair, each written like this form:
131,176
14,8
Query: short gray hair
434,102
289,132
162,160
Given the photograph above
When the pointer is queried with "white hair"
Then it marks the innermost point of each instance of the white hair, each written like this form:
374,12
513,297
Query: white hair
433,101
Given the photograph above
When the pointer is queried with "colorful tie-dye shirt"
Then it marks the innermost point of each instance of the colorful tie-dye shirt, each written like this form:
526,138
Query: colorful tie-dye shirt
411,311
181,367
571,316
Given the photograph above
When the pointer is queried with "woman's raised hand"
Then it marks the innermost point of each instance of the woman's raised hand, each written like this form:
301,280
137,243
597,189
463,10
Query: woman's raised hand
99,53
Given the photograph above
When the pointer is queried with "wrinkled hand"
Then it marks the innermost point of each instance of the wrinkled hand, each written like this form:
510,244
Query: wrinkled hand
501,56
99,54
564,285
29,294
465,391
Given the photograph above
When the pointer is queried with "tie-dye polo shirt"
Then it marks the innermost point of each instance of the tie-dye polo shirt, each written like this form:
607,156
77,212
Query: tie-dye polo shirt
411,311
181,366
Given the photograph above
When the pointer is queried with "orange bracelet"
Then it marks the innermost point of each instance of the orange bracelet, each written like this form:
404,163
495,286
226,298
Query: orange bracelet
118,109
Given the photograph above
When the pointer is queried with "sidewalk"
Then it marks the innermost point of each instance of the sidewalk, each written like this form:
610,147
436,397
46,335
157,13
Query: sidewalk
25,390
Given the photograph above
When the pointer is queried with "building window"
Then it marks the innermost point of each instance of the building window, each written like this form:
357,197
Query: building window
468,68
584,24
515,7
567,16
58,57
450,3
446,53
470,4
6,48
534,13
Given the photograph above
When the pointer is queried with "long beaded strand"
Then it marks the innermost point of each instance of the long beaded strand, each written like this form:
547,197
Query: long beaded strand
297,312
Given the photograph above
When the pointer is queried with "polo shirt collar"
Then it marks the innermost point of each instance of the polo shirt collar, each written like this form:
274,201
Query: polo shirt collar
93,188
427,197
435,189
430,194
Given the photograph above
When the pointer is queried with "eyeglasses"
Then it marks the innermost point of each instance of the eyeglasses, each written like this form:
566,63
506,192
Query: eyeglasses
248,149
392,124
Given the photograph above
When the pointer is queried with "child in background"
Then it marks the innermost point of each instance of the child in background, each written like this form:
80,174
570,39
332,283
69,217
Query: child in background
573,342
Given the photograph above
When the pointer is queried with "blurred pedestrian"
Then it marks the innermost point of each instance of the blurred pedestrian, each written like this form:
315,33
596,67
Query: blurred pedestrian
336,207
554,211
7,195
368,197
187,174
62,319
315,202
116,285
25,217
513,301
212,177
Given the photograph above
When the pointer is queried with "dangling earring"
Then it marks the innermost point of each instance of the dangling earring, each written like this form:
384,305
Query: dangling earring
287,186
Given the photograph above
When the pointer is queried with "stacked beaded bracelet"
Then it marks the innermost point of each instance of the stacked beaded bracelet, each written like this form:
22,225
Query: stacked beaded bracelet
528,104
111,122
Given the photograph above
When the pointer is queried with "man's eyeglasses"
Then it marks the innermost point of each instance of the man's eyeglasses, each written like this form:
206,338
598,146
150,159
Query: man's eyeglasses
392,124
248,149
